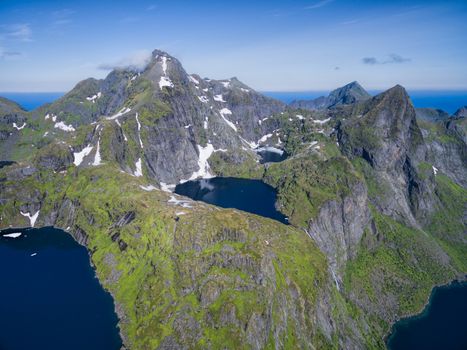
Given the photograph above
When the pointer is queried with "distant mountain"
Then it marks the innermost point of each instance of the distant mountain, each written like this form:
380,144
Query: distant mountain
348,94
461,112
431,114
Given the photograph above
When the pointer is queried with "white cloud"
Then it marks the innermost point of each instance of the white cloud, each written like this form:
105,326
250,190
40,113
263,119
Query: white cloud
9,55
21,32
318,4
136,61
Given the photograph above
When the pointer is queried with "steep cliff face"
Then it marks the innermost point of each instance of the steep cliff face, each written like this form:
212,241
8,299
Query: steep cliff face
385,133
339,227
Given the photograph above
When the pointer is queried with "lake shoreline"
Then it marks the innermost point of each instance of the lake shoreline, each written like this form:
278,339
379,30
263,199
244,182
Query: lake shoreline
425,306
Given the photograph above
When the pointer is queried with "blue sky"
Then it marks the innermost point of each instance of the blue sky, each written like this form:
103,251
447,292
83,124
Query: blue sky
270,45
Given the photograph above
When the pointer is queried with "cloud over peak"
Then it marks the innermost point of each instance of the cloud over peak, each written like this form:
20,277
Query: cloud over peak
137,61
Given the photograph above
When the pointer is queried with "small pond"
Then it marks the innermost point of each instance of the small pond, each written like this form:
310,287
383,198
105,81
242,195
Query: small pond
253,196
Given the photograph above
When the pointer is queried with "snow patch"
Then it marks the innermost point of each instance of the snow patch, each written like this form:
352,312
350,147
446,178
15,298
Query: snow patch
225,83
32,218
252,145
93,98
205,123
165,81
188,126
13,235
203,99
204,169
299,116
64,127
264,138
166,188
244,90
225,111
79,156
271,149
33,254
219,98
183,203
435,170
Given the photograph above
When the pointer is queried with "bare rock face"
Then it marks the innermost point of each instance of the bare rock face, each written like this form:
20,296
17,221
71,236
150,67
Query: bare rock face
339,227
385,133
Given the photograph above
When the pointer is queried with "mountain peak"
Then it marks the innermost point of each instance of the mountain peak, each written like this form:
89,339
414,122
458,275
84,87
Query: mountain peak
350,93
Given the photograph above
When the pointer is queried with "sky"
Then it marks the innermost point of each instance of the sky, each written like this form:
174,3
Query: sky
302,45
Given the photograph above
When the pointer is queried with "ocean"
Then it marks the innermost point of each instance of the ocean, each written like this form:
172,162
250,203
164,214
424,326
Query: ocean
448,101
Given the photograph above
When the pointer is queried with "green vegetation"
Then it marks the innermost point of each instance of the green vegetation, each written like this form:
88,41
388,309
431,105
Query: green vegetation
304,184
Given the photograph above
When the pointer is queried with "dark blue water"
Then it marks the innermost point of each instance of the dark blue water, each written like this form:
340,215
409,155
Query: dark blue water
32,100
442,325
448,101
271,157
253,196
52,300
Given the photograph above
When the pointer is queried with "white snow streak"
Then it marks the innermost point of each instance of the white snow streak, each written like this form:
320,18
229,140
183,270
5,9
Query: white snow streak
139,170
19,127
148,188
123,111
435,170
97,157
139,130
193,80
33,218
324,121
225,111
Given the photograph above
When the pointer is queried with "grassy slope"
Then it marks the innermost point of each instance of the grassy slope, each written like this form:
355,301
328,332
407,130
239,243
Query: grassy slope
169,266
